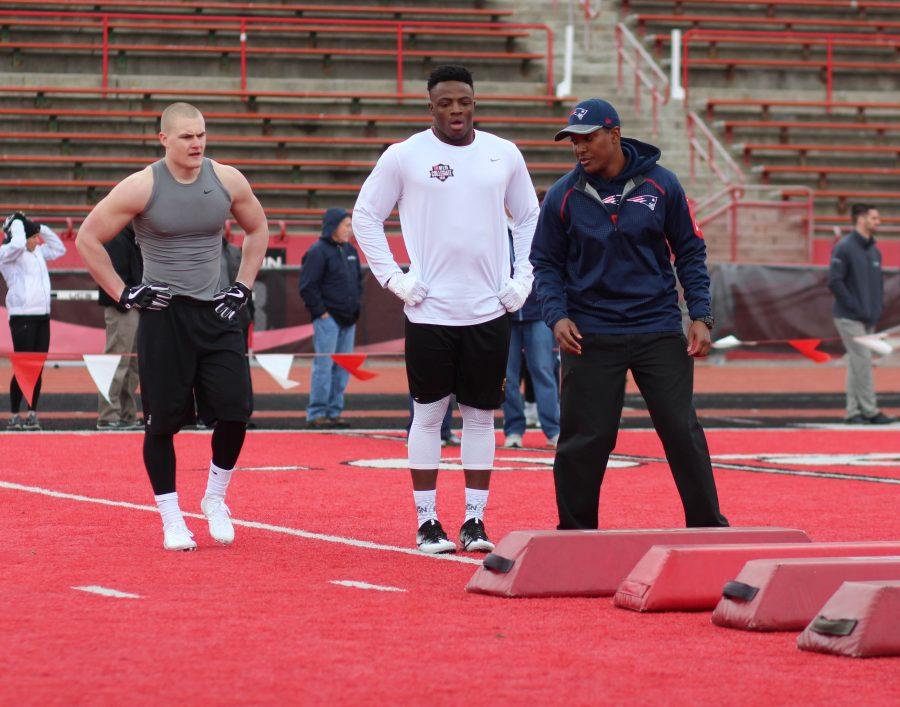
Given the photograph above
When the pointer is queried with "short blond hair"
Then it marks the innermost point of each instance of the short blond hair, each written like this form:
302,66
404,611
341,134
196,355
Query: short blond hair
174,112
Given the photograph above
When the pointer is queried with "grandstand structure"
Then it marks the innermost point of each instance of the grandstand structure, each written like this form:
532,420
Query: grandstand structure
791,110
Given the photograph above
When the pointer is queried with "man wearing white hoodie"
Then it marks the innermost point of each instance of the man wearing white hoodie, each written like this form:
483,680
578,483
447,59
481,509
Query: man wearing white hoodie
27,247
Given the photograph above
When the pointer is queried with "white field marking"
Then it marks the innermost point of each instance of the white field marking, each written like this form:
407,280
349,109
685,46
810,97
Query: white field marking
365,585
365,544
272,468
107,592
455,463
813,459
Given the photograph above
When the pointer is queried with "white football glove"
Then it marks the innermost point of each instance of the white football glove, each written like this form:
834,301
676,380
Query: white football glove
408,288
513,295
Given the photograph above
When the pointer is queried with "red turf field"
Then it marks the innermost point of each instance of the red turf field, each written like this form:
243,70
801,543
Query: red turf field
262,622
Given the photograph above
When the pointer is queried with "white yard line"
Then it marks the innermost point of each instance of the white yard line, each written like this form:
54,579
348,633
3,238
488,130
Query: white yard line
107,592
364,585
365,544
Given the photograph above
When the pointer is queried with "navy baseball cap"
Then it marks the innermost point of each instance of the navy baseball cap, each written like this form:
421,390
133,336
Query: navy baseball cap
589,116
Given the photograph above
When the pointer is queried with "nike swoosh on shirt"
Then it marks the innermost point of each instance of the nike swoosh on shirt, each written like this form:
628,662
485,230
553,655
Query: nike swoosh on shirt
495,159
207,191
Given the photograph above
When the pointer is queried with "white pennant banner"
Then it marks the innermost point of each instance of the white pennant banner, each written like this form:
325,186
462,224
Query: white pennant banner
279,367
879,343
102,368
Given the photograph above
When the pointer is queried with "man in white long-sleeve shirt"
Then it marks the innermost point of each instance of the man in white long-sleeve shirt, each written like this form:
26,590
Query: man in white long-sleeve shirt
450,184
27,247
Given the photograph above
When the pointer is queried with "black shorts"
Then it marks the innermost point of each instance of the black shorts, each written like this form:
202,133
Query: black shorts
187,353
468,361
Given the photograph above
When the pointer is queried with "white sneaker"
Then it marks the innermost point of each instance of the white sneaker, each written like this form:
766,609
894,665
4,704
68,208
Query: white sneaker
177,537
217,513
553,441
513,441
531,415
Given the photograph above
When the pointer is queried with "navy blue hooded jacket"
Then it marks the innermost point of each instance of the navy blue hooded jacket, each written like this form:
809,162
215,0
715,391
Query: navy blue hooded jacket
602,249
331,276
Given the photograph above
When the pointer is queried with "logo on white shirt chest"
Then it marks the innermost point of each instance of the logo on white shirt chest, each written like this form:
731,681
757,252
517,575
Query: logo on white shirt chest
441,172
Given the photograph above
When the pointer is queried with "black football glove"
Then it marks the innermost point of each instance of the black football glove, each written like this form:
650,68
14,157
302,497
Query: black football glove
232,300
146,297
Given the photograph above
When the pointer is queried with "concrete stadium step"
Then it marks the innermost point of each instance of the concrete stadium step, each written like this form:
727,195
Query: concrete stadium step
589,563
860,620
785,595
671,578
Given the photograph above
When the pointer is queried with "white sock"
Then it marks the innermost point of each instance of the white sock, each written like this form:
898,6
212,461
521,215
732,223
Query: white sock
168,509
426,505
217,484
476,502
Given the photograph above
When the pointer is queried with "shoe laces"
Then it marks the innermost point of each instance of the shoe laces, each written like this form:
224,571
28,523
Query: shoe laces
433,532
179,527
215,506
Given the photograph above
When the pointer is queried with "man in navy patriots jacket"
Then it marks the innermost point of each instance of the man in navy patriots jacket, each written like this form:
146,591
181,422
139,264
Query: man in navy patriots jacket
602,256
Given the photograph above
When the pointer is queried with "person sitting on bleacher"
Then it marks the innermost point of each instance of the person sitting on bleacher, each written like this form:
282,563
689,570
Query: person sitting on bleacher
27,246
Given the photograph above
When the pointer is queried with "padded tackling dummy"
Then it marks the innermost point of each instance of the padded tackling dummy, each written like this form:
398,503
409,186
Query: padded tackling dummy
785,595
861,620
673,578
591,563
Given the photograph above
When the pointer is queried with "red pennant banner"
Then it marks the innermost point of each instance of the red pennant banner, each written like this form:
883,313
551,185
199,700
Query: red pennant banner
808,348
351,363
27,369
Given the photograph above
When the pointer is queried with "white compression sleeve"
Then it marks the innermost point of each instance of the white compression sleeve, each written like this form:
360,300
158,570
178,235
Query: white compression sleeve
478,443
424,443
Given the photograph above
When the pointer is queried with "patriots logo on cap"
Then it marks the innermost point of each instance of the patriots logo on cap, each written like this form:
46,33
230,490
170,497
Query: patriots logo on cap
646,200
579,113
441,172
608,121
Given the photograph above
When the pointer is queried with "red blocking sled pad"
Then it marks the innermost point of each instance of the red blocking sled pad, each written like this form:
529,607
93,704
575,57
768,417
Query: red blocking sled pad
590,563
690,578
861,620
785,595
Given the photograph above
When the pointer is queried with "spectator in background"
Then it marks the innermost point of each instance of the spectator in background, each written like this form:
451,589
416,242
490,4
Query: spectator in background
27,247
854,276
120,411
331,288
532,340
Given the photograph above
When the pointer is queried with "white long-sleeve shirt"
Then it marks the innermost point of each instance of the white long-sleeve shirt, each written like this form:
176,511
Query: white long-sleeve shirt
451,201
25,272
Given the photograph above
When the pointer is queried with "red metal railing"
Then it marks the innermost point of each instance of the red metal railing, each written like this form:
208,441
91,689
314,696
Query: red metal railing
244,26
703,145
800,39
647,74
728,203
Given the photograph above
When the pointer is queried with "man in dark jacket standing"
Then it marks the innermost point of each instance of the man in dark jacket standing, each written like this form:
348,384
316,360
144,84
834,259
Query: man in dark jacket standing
854,277
602,265
120,411
331,288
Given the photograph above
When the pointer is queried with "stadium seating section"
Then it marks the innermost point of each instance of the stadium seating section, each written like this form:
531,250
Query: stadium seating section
807,99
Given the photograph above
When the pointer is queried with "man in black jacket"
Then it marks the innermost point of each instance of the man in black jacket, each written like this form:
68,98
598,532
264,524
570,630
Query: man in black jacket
854,277
331,288
120,411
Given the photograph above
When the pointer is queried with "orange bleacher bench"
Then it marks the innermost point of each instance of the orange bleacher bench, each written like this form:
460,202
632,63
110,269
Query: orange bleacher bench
788,23
765,105
823,172
262,8
859,6
803,149
784,126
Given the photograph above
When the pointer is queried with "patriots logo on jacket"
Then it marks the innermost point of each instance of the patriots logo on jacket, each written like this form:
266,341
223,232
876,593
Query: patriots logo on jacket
441,172
612,199
646,200
579,113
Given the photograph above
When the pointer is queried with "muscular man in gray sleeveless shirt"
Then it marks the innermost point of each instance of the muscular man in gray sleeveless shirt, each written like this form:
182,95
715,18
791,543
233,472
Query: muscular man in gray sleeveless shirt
180,231
190,346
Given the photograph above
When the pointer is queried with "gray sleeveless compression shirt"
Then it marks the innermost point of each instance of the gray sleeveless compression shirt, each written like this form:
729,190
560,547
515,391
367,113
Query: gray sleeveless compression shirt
180,231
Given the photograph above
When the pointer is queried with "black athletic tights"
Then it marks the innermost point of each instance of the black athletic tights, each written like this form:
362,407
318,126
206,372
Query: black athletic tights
30,333
159,453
